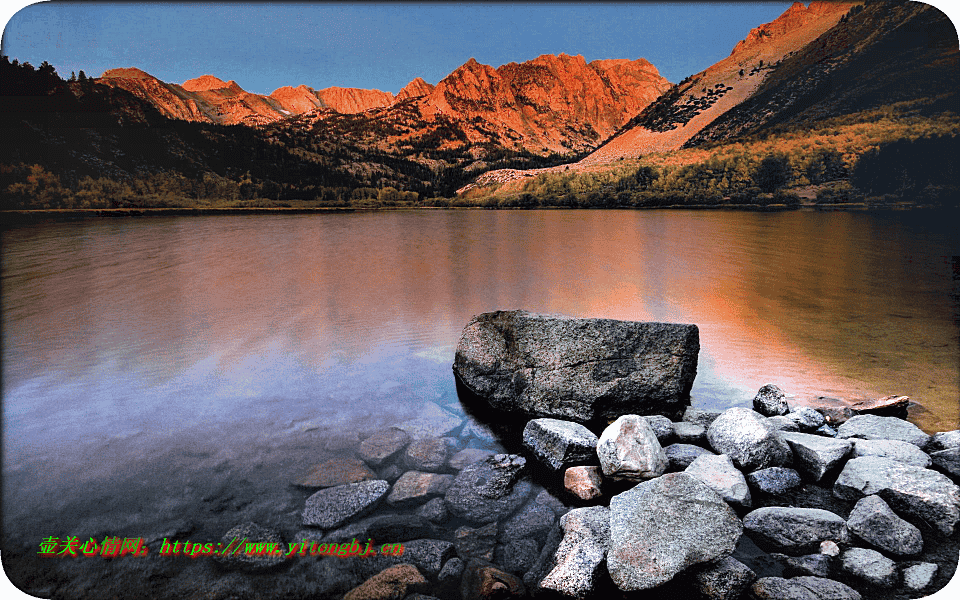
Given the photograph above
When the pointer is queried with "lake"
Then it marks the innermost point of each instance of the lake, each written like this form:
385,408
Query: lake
151,364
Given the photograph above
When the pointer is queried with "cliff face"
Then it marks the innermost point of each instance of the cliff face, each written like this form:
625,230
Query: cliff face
696,102
549,104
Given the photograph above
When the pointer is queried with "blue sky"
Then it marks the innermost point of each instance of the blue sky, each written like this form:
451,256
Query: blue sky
368,45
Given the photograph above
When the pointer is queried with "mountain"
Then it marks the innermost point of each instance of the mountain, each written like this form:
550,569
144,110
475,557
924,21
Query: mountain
552,104
700,99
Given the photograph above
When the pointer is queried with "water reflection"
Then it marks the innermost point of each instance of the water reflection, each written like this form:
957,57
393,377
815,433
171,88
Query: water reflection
112,327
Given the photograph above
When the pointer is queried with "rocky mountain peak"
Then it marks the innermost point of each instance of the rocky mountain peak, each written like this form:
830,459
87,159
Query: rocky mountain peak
126,73
417,87
205,83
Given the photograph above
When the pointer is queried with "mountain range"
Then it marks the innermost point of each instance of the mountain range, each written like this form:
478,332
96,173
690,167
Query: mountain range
482,127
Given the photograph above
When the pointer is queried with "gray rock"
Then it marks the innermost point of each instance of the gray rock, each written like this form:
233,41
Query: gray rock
770,401
586,537
749,439
898,450
532,521
920,576
794,530
334,506
234,545
826,431
827,589
383,446
947,461
434,511
488,490
723,580
428,454
477,433
545,561
681,455
468,456
874,522
689,433
815,455
943,440
552,502
391,472
662,427
920,495
778,588
774,480
722,477
414,488
663,526
872,427
806,418
431,421
782,423
577,369
448,580
628,449
703,418
476,543
518,556
815,565
560,444
870,566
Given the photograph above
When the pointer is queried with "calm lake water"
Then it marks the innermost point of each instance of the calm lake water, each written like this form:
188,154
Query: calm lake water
166,354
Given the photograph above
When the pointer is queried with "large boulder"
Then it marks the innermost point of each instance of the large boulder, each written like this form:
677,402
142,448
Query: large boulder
873,521
577,369
920,495
663,526
872,427
749,439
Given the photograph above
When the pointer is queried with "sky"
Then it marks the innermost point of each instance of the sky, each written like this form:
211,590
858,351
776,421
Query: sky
367,45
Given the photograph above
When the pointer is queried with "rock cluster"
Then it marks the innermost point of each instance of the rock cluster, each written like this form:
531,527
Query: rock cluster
659,505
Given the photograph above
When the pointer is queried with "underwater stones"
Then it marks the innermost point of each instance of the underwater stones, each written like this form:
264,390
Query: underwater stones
665,525
416,487
393,582
577,369
337,471
431,421
240,560
334,506
428,453
383,446
559,444
488,490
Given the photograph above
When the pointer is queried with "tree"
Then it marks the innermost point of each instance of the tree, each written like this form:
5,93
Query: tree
773,173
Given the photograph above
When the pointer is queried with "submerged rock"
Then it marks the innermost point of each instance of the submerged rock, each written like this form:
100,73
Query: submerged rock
415,487
394,582
337,471
665,525
383,446
239,559
337,505
488,490
577,369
